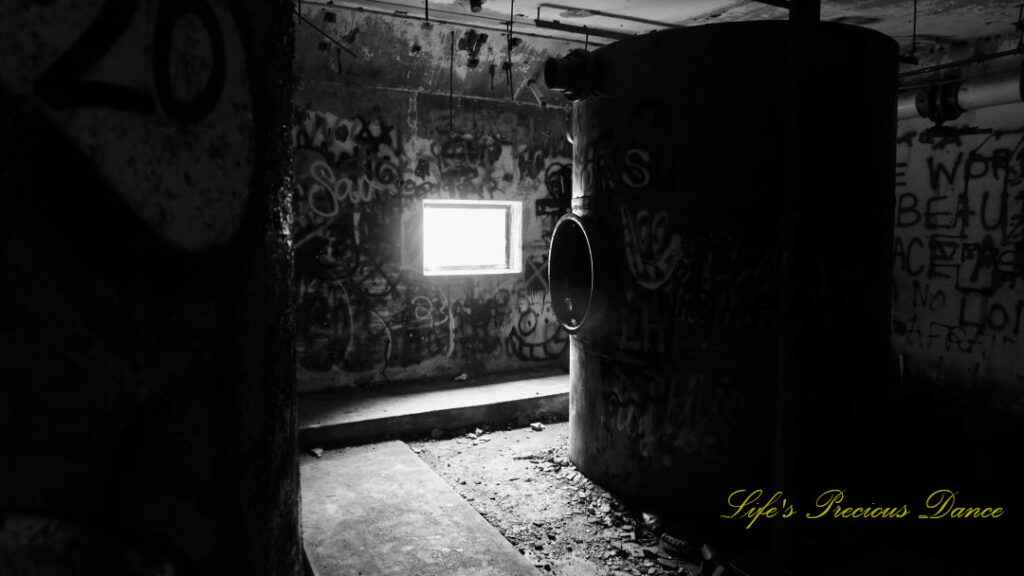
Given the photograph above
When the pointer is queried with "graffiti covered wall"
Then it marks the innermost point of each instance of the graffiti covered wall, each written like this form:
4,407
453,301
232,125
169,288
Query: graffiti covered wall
958,262
365,157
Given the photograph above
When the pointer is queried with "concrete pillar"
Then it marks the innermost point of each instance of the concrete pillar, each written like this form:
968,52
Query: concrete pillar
147,411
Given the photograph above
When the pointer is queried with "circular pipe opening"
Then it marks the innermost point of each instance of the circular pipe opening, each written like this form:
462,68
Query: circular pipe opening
571,273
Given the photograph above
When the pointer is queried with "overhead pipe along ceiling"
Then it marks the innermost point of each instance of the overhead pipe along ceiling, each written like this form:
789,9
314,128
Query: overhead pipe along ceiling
946,101
611,34
479,21
613,16
587,30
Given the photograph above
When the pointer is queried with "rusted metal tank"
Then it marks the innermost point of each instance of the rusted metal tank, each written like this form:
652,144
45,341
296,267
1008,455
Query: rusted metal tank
667,271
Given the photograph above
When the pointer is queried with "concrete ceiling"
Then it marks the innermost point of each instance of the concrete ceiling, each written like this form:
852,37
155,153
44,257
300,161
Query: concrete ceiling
939,21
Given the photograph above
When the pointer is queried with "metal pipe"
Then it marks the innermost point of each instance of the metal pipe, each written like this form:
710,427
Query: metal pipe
606,15
990,91
508,71
462,24
586,30
947,101
960,63
320,30
451,85
906,104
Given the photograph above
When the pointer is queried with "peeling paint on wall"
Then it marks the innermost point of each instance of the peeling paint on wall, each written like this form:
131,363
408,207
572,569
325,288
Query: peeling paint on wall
406,54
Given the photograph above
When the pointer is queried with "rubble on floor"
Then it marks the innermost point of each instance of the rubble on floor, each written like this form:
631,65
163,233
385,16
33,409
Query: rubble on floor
524,485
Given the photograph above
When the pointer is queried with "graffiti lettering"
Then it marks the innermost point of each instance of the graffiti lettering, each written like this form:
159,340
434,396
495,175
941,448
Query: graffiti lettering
366,307
959,248
695,413
65,85
652,248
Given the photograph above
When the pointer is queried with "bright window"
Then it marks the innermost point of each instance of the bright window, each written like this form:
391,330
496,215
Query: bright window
462,237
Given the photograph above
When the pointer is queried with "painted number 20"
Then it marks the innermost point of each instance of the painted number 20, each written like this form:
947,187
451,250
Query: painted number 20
63,84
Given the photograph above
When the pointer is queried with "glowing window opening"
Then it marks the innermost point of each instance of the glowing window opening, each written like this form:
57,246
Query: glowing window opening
463,237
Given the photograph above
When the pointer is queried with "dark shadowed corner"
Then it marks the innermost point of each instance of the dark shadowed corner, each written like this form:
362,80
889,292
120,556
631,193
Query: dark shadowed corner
147,401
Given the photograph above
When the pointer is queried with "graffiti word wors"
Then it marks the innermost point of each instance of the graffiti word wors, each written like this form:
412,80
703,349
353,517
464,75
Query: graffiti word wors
603,167
958,253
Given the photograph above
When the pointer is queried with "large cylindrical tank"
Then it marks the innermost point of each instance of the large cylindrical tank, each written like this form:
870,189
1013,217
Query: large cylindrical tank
667,271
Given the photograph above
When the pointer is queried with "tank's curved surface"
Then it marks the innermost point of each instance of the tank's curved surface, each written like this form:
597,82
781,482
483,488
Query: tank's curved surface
667,273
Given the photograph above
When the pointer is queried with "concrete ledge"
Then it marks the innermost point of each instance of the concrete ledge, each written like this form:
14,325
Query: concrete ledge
357,416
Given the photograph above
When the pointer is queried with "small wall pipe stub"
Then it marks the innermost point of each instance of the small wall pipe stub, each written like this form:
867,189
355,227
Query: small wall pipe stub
575,75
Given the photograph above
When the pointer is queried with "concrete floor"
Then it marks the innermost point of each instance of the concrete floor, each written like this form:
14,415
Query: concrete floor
522,482
510,502
507,502
380,510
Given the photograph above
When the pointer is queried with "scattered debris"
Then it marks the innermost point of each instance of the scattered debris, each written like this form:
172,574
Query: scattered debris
678,548
461,377
652,521
689,568
670,563
563,523
317,452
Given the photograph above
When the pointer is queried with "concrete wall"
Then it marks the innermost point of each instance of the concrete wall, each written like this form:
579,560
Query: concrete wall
374,134
147,411
958,269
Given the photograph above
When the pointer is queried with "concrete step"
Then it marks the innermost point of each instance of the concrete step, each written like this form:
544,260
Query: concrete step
355,416
380,510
